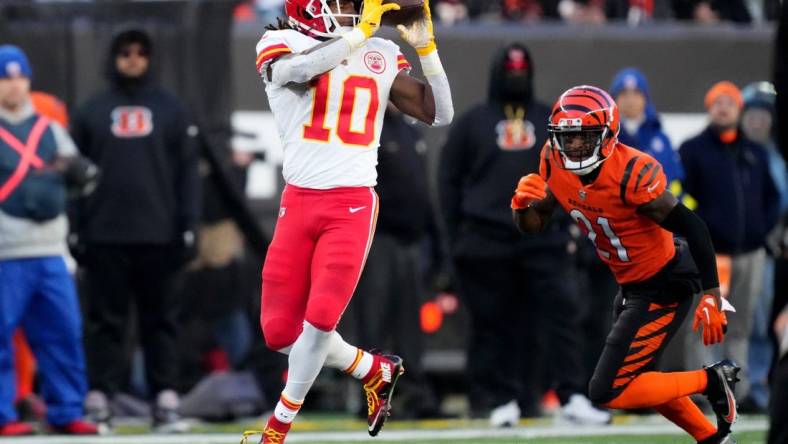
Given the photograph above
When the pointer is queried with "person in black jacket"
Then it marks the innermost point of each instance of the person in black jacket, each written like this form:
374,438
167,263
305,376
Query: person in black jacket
519,290
729,177
136,230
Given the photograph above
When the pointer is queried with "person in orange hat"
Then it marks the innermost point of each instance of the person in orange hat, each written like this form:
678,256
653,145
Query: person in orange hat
729,176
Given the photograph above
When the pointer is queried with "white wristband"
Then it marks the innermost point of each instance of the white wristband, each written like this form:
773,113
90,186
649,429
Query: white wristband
355,38
431,64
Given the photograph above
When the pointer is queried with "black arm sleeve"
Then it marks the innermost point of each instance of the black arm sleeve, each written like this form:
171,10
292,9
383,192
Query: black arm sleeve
682,221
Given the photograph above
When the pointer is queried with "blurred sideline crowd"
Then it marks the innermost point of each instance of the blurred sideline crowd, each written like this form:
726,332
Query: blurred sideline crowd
139,330
633,12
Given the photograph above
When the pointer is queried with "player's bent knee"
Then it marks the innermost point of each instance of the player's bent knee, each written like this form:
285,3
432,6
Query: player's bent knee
324,314
323,323
279,333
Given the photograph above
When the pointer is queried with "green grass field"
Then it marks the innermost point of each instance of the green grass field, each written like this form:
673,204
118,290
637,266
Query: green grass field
328,429
742,438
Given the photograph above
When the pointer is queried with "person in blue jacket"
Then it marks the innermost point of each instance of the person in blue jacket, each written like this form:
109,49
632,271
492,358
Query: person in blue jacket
38,161
642,129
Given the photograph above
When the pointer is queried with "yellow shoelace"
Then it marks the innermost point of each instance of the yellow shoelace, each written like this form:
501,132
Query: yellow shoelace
371,388
372,400
248,433
273,436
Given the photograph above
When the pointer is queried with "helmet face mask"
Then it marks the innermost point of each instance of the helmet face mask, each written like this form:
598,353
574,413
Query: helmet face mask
579,148
322,18
583,128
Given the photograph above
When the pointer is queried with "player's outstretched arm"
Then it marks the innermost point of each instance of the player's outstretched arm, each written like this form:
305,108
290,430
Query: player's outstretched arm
430,103
304,66
532,204
673,216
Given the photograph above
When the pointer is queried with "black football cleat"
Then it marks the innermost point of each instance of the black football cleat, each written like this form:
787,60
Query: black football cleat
380,389
722,379
716,439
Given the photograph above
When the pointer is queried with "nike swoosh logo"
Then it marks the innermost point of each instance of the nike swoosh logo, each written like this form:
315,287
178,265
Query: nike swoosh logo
653,187
706,312
731,416
356,210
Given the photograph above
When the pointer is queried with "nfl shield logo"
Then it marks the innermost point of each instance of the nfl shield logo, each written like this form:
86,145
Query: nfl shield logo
583,194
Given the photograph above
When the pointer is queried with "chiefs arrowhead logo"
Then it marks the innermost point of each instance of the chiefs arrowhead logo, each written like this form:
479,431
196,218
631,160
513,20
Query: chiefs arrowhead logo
375,62
131,121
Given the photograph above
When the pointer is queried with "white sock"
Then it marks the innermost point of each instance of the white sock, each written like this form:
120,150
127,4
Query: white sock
306,358
351,360
286,409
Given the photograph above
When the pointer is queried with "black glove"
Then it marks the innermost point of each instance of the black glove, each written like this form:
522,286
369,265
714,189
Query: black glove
81,176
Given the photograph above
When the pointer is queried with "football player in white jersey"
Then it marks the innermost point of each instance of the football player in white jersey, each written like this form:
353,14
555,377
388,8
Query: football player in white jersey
328,82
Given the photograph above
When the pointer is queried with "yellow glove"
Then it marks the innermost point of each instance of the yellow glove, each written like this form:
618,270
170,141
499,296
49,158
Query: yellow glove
371,13
419,34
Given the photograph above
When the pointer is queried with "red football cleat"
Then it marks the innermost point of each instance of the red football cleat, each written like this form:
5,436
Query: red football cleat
76,427
15,428
275,431
379,390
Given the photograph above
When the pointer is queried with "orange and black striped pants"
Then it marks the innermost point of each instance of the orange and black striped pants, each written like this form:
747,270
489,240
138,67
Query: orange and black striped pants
642,329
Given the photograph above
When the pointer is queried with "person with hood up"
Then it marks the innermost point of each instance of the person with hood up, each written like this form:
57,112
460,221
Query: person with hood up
135,232
641,128
518,290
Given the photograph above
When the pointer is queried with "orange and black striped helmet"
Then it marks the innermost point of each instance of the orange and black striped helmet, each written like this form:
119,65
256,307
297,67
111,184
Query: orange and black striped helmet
583,127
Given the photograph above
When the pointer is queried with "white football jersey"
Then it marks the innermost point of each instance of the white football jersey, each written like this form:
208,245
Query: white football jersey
330,128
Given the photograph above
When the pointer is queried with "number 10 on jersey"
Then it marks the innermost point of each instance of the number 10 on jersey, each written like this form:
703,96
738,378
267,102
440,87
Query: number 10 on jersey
317,128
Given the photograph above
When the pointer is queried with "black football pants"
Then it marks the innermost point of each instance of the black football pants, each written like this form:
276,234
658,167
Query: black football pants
646,317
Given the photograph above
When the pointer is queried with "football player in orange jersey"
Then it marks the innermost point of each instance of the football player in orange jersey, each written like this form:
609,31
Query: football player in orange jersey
617,196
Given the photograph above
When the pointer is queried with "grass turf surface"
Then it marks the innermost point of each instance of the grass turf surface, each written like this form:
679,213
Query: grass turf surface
331,429
741,438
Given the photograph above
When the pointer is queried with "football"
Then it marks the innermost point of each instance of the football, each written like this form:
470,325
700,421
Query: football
410,11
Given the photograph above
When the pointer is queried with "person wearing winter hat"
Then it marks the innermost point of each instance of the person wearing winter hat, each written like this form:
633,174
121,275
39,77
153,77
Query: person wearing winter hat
37,292
641,127
759,125
728,175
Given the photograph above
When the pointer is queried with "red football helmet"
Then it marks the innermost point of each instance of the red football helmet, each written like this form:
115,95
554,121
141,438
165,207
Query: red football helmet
584,127
317,18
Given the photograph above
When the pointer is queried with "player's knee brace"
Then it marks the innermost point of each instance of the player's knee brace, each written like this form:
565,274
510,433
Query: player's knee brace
280,333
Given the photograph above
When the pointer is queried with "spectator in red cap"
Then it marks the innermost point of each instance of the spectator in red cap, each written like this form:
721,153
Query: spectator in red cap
729,177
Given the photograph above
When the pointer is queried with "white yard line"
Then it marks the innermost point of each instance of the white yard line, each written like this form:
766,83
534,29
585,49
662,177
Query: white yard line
391,435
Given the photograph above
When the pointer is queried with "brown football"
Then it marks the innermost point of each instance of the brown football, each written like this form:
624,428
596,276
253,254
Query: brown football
410,11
